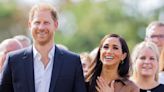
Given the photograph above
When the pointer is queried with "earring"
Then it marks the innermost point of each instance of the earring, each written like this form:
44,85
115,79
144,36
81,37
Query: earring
122,62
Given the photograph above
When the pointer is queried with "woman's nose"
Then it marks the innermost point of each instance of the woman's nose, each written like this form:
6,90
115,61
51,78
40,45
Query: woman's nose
147,61
109,50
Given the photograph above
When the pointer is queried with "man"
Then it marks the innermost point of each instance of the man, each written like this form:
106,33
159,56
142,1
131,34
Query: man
155,33
7,46
25,41
43,67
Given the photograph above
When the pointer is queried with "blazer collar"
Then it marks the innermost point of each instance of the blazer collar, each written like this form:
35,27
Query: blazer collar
29,69
56,68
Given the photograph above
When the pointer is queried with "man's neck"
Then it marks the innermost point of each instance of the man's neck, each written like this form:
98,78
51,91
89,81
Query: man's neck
44,49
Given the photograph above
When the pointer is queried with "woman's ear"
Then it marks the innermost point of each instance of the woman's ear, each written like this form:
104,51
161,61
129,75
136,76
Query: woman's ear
124,56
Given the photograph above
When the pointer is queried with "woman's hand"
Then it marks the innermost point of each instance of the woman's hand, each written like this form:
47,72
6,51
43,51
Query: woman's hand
103,86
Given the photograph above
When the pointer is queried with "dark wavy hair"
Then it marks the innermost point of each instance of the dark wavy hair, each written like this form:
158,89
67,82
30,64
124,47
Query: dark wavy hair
123,69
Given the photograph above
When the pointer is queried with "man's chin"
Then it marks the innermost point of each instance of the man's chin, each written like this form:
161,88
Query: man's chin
42,43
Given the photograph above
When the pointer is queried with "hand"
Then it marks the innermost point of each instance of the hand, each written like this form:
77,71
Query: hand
103,86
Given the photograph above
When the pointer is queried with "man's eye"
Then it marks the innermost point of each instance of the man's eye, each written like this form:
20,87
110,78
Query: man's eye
46,23
37,22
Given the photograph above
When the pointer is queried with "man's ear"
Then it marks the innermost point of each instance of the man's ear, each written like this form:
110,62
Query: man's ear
56,24
29,24
124,56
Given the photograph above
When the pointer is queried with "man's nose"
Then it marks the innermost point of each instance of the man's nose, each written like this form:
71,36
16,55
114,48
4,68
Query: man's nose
156,40
41,26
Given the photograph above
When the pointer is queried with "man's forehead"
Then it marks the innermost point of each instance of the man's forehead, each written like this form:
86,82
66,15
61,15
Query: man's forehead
160,28
156,30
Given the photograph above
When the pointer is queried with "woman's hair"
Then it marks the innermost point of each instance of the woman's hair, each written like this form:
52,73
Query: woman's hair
86,56
123,68
138,50
161,60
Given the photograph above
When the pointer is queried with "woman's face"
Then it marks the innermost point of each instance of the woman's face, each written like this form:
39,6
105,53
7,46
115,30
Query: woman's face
85,65
111,52
146,62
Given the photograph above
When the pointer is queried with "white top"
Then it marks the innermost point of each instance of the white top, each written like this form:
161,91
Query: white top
161,77
42,74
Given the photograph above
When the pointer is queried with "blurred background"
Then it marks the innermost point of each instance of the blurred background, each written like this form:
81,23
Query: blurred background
83,23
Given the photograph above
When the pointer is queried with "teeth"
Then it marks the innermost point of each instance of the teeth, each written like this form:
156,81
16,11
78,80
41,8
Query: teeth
41,33
109,57
147,67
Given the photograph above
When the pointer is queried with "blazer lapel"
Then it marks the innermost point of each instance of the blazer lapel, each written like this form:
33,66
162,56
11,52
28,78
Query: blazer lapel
56,67
29,69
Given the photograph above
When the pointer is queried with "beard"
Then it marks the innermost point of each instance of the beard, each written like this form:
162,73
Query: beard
43,37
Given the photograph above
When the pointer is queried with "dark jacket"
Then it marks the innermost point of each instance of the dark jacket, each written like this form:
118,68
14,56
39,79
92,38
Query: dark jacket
67,75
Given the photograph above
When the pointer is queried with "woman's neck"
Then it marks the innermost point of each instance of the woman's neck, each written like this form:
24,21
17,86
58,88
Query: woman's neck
146,82
109,74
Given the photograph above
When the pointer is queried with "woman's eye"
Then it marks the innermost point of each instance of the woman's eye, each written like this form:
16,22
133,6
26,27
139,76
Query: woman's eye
143,58
105,47
115,48
152,58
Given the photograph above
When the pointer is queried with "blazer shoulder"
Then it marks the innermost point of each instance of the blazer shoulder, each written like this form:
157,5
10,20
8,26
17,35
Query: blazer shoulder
69,57
68,53
20,53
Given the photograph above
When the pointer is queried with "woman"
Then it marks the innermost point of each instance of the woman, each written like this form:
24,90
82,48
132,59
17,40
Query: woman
161,67
85,61
145,59
110,73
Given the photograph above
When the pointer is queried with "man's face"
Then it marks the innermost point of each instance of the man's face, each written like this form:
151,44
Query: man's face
156,35
42,27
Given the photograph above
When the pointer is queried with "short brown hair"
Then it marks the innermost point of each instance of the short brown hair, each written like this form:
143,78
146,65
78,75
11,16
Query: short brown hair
153,24
43,7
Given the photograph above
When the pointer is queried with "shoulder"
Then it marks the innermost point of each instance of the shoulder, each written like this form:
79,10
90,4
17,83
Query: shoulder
19,55
67,53
18,52
132,85
67,56
125,85
160,86
155,89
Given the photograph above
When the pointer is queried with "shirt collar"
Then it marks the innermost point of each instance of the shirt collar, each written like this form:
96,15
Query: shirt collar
50,54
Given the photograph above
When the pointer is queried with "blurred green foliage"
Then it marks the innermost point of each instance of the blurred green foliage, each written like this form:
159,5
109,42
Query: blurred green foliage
92,21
